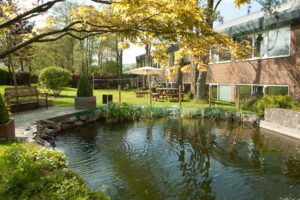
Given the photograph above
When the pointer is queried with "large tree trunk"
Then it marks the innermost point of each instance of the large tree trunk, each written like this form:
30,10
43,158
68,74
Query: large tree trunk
201,78
148,55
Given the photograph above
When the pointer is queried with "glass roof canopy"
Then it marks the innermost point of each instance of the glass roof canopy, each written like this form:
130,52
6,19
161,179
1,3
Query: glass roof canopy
287,13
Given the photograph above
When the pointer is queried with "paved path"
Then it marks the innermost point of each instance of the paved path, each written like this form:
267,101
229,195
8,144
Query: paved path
25,119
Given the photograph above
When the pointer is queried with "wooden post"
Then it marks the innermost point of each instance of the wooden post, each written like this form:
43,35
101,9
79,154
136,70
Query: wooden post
209,95
179,95
119,88
150,92
238,102
93,81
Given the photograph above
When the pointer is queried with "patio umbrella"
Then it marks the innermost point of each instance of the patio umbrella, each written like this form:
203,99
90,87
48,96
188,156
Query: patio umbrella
146,71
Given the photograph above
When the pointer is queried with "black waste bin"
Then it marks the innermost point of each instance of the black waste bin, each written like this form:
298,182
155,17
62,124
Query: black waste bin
107,98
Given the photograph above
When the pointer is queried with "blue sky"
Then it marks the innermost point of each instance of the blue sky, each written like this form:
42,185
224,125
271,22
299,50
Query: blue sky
227,10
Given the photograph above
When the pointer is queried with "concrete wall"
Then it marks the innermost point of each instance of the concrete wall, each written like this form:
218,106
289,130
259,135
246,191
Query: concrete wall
283,117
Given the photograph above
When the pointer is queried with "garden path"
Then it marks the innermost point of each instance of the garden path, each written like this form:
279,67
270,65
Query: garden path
25,119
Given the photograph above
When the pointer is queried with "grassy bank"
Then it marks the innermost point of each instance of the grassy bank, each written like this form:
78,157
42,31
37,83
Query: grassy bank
128,97
30,172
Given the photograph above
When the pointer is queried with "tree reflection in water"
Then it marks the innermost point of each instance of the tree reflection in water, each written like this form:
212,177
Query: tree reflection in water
194,159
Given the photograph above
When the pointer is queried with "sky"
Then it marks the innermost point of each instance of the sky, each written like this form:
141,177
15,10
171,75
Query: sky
226,8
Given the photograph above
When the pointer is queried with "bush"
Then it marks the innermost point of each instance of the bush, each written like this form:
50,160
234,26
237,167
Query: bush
55,79
4,116
75,80
4,77
84,87
28,172
23,78
34,78
249,104
276,102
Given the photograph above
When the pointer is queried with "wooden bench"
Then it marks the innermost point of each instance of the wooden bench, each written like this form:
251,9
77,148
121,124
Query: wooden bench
21,92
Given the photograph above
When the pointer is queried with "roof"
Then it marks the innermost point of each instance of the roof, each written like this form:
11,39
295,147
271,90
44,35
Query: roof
287,13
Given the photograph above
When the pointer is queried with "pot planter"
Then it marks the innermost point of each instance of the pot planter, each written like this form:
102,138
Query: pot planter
7,130
84,103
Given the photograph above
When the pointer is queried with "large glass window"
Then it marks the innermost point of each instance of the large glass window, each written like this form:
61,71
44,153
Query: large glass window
258,90
214,91
214,56
265,44
224,55
279,42
245,91
225,92
260,45
278,90
171,59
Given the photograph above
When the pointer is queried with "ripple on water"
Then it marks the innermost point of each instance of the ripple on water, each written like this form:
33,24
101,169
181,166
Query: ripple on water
172,160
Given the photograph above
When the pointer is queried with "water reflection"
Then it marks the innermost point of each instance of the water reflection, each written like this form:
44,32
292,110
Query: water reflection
184,159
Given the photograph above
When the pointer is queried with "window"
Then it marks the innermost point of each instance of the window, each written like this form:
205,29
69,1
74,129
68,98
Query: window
186,87
260,45
224,55
245,91
220,55
278,90
187,58
171,61
269,43
258,90
225,92
214,56
279,42
214,91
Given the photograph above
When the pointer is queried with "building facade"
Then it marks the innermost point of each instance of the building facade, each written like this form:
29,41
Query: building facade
273,68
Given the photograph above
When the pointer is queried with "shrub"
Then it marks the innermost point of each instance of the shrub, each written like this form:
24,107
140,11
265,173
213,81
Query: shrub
55,79
84,87
28,172
4,116
75,80
23,78
34,78
249,104
276,102
4,77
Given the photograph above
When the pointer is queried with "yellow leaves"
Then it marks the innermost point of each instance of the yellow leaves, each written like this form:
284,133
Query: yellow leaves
124,45
8,11
50,21
239,3
202,67
186,68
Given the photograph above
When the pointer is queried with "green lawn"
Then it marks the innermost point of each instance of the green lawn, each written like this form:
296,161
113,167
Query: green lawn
128,96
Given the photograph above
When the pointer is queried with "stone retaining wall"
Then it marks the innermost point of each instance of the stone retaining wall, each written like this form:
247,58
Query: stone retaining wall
44,132
283,117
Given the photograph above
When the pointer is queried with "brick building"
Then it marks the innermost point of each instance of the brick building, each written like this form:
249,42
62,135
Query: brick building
274,66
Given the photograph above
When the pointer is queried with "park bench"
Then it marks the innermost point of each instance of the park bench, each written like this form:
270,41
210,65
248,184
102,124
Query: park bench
22,96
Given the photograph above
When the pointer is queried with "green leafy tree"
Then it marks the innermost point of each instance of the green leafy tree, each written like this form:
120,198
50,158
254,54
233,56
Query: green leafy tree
84,87
4,116
55,79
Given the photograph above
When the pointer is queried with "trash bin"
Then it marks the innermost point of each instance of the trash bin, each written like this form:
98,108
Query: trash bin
107,98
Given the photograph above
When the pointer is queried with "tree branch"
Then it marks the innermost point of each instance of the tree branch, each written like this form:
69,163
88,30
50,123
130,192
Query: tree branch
39,9
217,5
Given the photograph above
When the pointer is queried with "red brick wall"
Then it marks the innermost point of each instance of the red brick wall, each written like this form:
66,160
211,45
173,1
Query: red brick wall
284,70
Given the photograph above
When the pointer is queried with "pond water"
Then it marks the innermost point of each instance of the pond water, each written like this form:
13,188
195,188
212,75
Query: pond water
184,159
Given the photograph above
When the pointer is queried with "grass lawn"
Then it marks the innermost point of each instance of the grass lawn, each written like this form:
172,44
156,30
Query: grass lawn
128,96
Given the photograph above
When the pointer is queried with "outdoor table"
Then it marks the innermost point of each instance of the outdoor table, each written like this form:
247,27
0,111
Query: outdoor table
168,92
